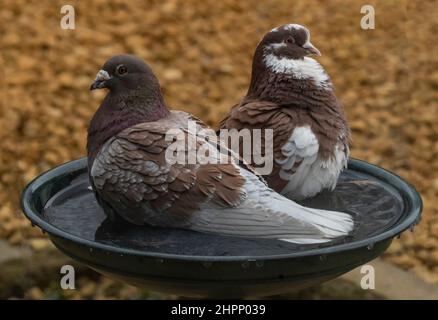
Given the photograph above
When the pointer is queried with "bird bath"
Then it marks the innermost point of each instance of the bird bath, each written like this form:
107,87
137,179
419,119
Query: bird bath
192,264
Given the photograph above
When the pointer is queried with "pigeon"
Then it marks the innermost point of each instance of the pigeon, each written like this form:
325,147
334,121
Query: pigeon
292,94
136,179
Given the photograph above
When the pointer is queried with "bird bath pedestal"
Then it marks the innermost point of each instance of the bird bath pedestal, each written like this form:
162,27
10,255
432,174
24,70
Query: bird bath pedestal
192,264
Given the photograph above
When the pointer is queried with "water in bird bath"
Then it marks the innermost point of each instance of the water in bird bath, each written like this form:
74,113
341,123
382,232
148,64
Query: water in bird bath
375,206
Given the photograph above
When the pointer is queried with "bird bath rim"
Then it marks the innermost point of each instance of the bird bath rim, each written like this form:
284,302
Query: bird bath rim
411,198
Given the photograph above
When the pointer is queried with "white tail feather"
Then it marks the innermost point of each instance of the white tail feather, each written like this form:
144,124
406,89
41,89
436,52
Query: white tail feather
267,214
333,224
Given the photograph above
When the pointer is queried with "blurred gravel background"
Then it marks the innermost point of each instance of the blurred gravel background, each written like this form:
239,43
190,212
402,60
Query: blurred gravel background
387,79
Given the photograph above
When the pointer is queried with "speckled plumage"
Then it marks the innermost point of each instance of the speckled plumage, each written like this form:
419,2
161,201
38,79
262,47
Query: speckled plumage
134,179
291,94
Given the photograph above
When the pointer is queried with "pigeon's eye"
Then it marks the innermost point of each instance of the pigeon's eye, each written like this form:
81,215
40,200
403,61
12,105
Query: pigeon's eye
121,70
290,40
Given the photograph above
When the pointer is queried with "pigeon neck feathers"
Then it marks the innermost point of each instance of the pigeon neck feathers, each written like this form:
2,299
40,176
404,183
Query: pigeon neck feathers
279,77
304,68
122,109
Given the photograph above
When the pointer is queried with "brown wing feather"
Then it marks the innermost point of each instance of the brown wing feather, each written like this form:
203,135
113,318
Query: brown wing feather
284,118
256,114
131,169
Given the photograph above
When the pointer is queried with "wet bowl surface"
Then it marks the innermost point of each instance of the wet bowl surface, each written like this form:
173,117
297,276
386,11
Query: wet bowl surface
202,265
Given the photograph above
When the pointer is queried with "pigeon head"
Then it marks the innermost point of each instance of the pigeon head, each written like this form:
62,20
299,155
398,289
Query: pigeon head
123,73
283,55
290,41
134,97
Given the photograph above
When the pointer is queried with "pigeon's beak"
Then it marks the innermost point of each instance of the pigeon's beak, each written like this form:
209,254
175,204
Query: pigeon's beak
100,81
311,49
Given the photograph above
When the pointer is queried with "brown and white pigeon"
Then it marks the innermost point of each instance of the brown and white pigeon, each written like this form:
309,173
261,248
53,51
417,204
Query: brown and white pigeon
291,94
134,177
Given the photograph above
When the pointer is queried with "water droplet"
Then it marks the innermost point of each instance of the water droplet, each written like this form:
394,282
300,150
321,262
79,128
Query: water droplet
322,257
245,265
370,246
259,264
90,249
160,261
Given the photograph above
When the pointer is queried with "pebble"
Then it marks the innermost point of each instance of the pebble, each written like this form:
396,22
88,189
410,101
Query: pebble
39,244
